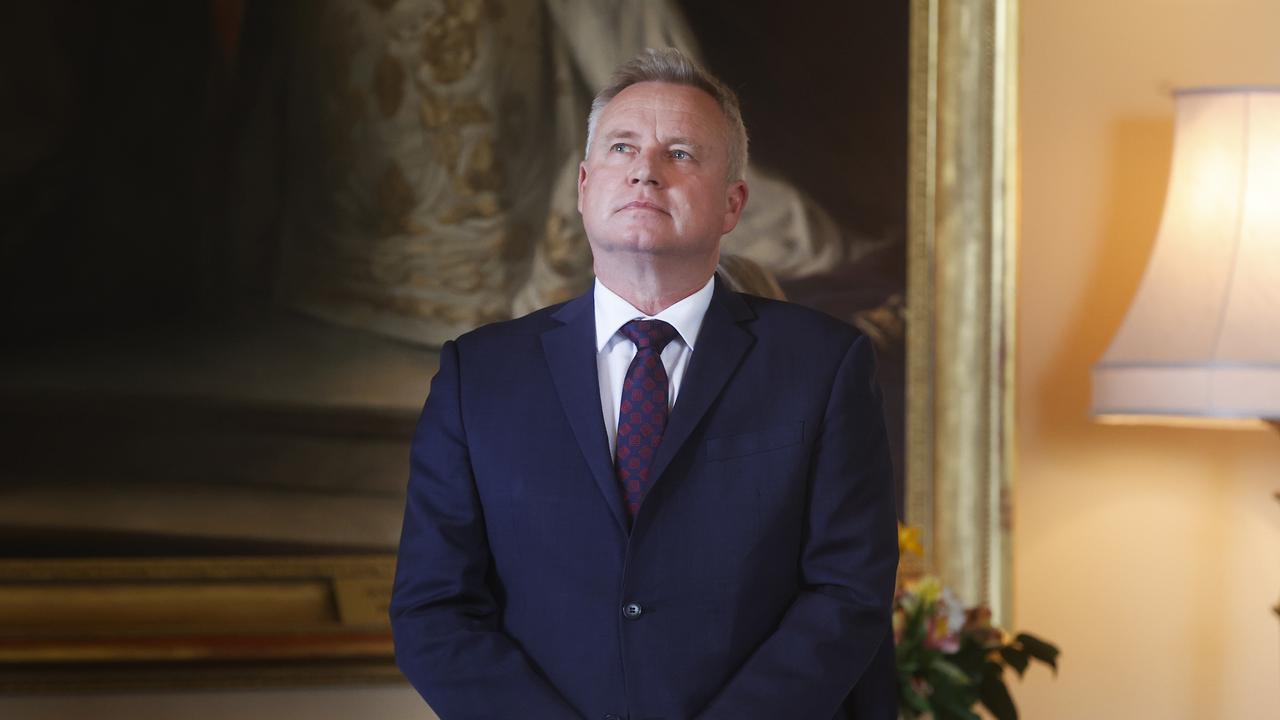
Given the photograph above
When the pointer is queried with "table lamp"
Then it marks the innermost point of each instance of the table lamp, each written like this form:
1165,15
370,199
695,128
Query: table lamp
1201,341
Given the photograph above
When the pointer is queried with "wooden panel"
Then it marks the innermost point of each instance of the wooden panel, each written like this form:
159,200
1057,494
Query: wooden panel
173,613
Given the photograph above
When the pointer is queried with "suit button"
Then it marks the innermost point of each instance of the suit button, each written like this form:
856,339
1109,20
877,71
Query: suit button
632,611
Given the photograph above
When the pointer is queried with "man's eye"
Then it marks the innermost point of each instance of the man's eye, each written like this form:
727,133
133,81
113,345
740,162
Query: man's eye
681,155
618,147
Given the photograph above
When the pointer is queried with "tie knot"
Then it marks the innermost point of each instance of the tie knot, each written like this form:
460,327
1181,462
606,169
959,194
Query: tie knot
649,334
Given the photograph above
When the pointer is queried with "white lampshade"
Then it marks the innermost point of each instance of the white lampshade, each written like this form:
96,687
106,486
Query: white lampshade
1202,337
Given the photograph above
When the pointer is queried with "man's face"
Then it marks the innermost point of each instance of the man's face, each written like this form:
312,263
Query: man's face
655,177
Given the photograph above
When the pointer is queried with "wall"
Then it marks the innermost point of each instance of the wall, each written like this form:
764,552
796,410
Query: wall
1150,554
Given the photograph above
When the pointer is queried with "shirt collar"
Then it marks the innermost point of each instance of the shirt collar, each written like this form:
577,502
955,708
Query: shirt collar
612,312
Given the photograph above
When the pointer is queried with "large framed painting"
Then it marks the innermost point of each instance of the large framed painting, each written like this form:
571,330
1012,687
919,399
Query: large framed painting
227,274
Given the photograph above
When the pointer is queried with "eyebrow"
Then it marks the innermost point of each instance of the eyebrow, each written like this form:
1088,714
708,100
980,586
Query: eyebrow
621,135
683,141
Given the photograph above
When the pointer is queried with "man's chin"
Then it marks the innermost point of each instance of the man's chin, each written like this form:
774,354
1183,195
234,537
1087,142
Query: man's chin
645,241
664,250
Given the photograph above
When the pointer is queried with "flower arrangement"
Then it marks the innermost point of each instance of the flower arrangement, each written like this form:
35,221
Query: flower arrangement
950,658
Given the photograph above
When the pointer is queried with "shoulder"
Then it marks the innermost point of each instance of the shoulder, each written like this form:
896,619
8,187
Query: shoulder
531,325
804,347
778,321
517,333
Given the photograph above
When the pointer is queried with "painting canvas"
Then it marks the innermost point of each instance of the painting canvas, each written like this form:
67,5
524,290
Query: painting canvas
239,230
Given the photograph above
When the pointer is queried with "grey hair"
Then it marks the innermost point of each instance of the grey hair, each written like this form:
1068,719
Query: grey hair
669,65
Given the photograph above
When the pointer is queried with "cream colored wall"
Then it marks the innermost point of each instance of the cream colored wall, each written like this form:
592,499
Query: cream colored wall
1151,555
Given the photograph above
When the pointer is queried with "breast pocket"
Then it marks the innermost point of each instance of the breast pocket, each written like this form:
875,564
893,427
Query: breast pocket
756,483
754,442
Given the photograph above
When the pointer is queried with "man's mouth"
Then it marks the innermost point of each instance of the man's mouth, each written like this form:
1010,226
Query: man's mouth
643,205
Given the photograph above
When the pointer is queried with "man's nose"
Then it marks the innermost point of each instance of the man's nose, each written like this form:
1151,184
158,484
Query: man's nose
645,171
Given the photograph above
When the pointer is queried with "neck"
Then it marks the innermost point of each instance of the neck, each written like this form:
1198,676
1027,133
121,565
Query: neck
651,289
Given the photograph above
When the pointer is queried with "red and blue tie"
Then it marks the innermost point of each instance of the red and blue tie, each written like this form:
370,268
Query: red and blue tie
643,414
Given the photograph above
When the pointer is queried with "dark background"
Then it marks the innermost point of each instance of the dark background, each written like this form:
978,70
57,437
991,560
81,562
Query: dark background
117,119
118,122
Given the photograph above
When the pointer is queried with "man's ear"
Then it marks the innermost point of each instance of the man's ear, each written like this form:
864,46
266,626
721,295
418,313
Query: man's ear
736,200
582,180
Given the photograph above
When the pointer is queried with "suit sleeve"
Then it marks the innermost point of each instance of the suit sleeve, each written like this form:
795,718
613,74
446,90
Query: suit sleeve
842,615
444,618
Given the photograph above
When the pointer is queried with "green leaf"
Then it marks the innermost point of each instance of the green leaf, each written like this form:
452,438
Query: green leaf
995,696
1016,658
955,711
969,658
1040,650
952,673
914,699
954,702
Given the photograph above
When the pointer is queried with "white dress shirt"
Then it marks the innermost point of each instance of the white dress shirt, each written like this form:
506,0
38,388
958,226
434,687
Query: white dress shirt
614,351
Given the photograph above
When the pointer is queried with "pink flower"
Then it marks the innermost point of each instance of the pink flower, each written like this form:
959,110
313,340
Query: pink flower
939,636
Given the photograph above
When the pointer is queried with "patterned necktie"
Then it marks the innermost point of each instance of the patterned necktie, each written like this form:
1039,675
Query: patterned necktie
643,414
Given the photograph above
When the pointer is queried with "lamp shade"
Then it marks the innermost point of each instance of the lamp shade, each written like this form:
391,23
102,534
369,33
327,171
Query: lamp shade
1202,337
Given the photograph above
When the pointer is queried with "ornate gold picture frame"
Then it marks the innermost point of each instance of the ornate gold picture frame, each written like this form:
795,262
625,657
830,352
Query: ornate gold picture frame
962,224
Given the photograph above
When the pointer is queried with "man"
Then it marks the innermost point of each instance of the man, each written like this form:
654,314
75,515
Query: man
662,499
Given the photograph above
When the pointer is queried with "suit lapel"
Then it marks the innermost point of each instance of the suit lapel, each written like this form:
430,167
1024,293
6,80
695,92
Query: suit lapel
570,352
720,347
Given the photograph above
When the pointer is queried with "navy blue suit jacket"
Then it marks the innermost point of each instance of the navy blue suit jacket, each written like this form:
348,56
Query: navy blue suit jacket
755,582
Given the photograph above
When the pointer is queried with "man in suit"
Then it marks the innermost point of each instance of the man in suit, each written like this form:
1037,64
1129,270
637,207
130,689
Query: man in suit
662,499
